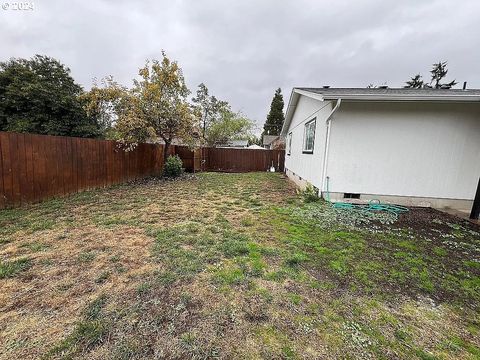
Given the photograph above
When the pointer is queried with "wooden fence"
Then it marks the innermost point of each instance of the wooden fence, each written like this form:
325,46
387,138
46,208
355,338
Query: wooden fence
243,160
37,167
231,160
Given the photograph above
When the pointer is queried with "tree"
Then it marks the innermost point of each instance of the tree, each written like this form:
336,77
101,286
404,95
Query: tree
208,108
230,126
155,107
439,71
218,122
415,82
39,96
275,118
102,104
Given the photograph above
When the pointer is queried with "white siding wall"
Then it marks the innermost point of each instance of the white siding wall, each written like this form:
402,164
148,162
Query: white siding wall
308,166
405,149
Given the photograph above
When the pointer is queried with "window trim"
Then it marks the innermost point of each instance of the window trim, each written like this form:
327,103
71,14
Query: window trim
304,150
289,143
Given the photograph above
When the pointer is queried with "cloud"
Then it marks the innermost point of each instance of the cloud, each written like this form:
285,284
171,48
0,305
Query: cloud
244,50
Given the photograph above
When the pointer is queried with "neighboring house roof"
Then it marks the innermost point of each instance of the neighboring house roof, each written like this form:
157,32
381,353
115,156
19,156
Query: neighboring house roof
256,147
378,94
278,143
268,139
236,143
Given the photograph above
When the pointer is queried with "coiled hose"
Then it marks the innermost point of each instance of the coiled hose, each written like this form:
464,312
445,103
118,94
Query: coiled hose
373,206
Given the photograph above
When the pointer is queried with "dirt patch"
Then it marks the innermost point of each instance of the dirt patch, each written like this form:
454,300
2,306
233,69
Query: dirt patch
431,222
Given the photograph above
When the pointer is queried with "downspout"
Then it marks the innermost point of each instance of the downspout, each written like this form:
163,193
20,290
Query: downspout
328,123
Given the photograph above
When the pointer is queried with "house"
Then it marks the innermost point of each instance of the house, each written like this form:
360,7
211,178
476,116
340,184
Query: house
268,139
418,147
255,147
235,144
273,142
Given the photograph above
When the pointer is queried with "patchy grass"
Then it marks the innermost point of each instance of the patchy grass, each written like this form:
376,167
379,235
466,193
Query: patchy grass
233,266
11,268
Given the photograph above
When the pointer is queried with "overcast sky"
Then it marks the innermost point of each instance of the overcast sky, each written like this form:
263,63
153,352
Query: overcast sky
244,49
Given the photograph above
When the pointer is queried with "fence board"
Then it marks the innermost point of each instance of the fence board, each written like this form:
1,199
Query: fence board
15,168
2,190
22,169
51,167
7,169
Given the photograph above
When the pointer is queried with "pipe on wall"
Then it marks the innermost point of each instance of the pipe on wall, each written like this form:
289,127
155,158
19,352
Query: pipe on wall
328,123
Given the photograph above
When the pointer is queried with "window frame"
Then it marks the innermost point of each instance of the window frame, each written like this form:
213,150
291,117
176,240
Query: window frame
289,143
308,124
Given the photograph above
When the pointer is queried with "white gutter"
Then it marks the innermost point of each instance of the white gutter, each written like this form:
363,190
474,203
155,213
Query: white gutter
328,123
392,97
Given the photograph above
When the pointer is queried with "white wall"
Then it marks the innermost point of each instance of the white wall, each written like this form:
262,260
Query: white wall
308,166
405,149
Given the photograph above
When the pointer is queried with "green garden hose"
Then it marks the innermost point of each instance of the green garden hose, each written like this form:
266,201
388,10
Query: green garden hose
373,205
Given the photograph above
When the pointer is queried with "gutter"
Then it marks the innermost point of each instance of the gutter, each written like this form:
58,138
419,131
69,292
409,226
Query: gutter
328,123
427,98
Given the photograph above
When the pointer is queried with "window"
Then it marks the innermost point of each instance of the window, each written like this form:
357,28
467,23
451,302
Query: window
309,137
351,196
289,144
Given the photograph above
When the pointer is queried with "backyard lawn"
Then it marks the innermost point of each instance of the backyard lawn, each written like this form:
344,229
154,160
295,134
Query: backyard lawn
233,266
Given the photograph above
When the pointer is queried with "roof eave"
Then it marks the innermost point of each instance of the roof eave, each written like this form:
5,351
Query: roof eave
292,104
360,97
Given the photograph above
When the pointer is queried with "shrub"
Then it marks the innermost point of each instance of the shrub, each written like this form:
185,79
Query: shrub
310,194
173,166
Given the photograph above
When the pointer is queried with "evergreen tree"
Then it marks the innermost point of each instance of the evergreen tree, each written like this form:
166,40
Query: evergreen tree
439,71
415,82
275,118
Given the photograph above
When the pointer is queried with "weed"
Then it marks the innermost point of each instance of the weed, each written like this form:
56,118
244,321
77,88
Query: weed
104,276
92,312
295,299
144,288
86,256
310,194
296,259
247,221
439,251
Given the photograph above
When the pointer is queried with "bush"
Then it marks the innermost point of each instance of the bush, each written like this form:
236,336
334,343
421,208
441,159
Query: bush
310,194
173,167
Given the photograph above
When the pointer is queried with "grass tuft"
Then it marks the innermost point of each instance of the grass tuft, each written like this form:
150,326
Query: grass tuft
11,268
